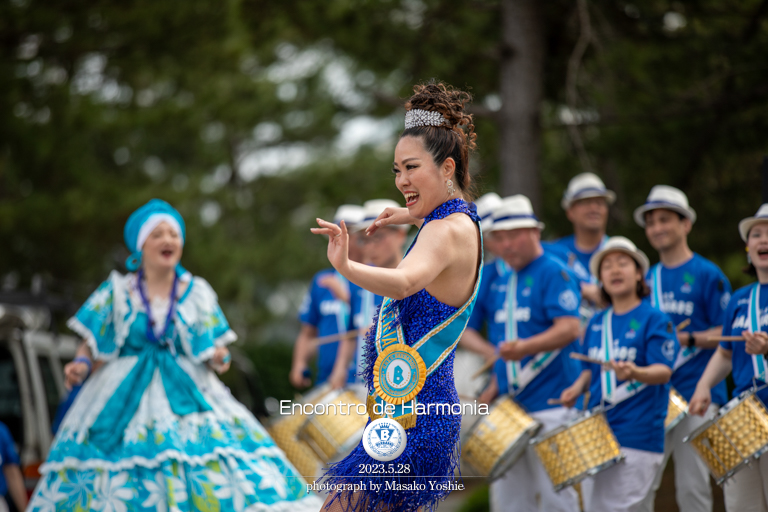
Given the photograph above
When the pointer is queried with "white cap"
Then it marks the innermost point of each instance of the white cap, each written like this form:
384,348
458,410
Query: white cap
515,212
666,198
618,244
372,209
746,224
486,204
586,185
351,214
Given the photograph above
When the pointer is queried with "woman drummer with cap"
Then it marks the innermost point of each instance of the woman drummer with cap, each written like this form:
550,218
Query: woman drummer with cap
638,345
747,316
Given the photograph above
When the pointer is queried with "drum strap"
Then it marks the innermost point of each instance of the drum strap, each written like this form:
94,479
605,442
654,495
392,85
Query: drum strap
758,362
657,301
611,391
519,376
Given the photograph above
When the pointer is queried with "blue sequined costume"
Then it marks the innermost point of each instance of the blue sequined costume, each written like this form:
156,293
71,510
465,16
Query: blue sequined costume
432,451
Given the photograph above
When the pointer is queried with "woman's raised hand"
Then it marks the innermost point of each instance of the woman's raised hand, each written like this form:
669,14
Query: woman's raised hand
391,217
338,242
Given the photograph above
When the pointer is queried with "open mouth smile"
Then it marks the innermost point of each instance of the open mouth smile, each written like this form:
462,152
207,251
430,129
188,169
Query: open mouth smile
411,198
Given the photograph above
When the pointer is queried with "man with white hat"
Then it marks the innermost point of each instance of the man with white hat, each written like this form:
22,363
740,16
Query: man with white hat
483,312
324,312
535,321
585,203
689,288
384,249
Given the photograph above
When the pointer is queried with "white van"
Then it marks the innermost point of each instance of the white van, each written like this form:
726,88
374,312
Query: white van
31,382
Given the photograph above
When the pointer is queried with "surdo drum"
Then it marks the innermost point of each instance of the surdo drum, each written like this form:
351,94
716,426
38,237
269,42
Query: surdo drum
332,434
677,410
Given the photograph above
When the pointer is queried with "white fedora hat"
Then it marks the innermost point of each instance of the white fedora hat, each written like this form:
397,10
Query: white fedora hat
372,209
583,186
486,204
620,244
664,197
746,224
351,214
515,212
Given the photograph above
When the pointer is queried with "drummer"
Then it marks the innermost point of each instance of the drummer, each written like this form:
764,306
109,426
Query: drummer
638,341
586,202
324,312
382,249
535,321
482,315
687,287
747,316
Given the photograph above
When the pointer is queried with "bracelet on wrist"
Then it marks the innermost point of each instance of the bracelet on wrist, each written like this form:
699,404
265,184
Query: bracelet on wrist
691,340
84,360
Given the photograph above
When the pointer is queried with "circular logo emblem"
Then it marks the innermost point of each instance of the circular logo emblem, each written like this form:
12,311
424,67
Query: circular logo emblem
399,374
384,439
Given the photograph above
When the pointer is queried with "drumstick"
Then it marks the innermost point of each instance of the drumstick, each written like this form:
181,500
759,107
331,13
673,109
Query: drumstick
726,338
682,325
322,340
487,366
554,401
582,357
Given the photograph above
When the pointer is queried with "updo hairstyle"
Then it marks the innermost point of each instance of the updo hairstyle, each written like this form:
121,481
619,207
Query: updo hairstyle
448,140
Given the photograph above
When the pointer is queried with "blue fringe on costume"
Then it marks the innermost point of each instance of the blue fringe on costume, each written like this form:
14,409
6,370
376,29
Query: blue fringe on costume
433,449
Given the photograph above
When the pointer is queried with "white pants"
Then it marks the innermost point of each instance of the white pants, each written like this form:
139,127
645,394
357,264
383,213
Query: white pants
3,505
747,490
526,487
692,487
624,486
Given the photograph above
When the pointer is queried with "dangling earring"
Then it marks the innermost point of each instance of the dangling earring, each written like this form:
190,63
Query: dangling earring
451,190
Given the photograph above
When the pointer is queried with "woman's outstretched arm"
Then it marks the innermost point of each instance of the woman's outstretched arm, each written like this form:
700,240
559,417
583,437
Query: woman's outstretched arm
436,249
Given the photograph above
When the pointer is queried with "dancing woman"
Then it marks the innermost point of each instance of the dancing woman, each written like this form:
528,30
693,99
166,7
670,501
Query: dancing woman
153,428
434,285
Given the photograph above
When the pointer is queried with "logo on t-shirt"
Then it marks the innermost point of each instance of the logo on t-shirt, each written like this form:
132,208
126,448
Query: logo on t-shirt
668,349
568,300
528,285
634,326
724,300
688,279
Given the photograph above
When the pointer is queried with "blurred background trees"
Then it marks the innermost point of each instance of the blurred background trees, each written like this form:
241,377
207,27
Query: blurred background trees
253,117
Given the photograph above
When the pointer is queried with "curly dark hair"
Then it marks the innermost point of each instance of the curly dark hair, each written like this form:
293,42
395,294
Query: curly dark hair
449,140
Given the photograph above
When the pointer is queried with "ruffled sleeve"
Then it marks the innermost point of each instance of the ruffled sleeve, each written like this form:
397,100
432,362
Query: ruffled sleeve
200,322
104,318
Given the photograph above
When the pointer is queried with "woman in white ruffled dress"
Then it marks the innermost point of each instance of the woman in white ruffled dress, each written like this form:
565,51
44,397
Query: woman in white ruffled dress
153,428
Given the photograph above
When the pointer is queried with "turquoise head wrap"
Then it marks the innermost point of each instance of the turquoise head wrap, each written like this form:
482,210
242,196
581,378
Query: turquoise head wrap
142,222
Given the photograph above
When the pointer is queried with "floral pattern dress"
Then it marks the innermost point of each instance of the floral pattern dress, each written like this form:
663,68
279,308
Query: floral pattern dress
154,429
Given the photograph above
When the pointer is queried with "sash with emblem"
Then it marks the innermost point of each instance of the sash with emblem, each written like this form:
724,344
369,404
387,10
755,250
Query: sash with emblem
401,370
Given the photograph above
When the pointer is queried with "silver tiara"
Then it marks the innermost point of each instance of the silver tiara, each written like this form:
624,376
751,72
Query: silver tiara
418,117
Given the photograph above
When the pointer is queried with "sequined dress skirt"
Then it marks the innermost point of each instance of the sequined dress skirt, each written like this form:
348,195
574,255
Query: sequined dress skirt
432,451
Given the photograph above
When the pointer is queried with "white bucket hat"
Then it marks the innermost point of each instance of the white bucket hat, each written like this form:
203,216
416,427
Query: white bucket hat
666,198
351,214
620,244
586,185
486,204
372,209
746,224
515,212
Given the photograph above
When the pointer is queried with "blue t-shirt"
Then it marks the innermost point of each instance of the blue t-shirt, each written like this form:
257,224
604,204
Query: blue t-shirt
644,336
364,305
734,324
484,310
321,309
545,291
8,455
696,290
577,262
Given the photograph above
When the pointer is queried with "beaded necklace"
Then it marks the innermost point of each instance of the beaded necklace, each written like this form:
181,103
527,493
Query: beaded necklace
168,318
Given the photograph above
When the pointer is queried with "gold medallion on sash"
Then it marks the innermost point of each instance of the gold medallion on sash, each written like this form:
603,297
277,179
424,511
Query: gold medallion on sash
399,374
